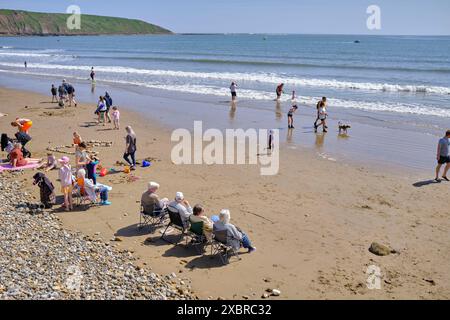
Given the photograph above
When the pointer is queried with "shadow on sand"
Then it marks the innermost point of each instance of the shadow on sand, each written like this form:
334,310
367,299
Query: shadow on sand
425,183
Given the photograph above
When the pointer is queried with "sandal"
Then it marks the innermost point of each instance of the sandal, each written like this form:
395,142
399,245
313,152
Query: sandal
445,178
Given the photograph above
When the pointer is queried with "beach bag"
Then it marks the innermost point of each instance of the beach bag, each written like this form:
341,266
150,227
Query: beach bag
61,103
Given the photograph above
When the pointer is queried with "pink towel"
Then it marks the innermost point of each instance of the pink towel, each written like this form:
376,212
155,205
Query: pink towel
8,167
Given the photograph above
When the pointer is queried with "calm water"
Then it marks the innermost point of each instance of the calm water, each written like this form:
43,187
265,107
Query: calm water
383,81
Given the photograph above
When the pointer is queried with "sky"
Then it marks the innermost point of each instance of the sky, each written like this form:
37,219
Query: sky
398,17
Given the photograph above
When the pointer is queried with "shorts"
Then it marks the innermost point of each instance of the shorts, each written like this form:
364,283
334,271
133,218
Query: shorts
66,189
444,160
290,115
233,94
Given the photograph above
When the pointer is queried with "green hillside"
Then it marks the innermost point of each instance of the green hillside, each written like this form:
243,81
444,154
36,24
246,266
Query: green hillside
17,22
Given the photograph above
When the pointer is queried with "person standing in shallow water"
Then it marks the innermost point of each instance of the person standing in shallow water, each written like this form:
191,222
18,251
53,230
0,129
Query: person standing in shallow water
92,75
443,156
279,90
233,88
290,116
319,103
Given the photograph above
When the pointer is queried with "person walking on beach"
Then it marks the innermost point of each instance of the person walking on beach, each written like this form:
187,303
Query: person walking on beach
290,116
71,94
92,75
54,92
279,90
322,117
109,102
324,100
65,177
130,149
101,110
233,88
25,64
62,95
443,156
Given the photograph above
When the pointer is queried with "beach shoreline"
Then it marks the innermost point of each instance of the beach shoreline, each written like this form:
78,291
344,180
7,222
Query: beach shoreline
316,218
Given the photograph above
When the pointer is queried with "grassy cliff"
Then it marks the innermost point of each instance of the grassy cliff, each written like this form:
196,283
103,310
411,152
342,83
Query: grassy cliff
17,22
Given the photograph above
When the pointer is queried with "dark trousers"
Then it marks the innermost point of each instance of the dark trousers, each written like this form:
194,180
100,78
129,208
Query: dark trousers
133,159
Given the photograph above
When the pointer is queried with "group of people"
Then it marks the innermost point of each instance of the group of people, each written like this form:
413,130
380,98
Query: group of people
321,107
83,177
151,202
103,111
65,93
18,155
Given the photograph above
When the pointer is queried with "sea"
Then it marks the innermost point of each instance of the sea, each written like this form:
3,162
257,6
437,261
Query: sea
374,83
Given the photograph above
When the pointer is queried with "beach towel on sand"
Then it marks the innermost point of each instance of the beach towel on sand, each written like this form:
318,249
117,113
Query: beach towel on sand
9,167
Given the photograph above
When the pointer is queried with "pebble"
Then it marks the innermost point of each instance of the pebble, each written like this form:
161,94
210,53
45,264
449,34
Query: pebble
40,260
276,292
380,249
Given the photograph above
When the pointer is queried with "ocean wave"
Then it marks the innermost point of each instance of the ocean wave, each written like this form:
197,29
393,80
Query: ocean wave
244,94
252,77
322,63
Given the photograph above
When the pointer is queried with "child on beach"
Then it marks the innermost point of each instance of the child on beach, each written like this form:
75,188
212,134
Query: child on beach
51,162
54,94
116,118
77,139
65,177
322,117
291,116
91,168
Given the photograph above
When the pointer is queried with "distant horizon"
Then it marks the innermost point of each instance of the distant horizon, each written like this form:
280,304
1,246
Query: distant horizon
283,17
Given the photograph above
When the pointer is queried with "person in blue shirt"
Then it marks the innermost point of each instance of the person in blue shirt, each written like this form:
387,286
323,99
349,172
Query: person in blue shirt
91,167
443,156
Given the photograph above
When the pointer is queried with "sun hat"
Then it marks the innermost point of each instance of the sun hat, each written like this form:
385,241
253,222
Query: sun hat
64,160
179,196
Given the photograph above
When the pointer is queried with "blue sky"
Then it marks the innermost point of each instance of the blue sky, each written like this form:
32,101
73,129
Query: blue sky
408,17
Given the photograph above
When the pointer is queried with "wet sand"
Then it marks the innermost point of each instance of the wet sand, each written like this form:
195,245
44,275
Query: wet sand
312,223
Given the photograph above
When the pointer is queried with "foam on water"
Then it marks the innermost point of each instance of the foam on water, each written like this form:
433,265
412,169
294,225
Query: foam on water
270,78
403,108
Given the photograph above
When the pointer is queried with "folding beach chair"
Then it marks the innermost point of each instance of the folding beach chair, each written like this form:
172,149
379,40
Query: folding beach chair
197,237
175,222
156,218
80,196
220,246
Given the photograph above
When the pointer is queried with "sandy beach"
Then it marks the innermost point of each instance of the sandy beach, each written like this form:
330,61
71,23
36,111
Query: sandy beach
312,224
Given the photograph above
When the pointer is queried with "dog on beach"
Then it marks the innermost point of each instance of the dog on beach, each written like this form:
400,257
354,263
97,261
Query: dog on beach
343,127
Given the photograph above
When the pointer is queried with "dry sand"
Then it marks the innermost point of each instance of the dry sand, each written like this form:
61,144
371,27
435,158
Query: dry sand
312,223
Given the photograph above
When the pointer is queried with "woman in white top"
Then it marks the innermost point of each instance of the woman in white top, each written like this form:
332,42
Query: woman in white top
237,238
322,117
